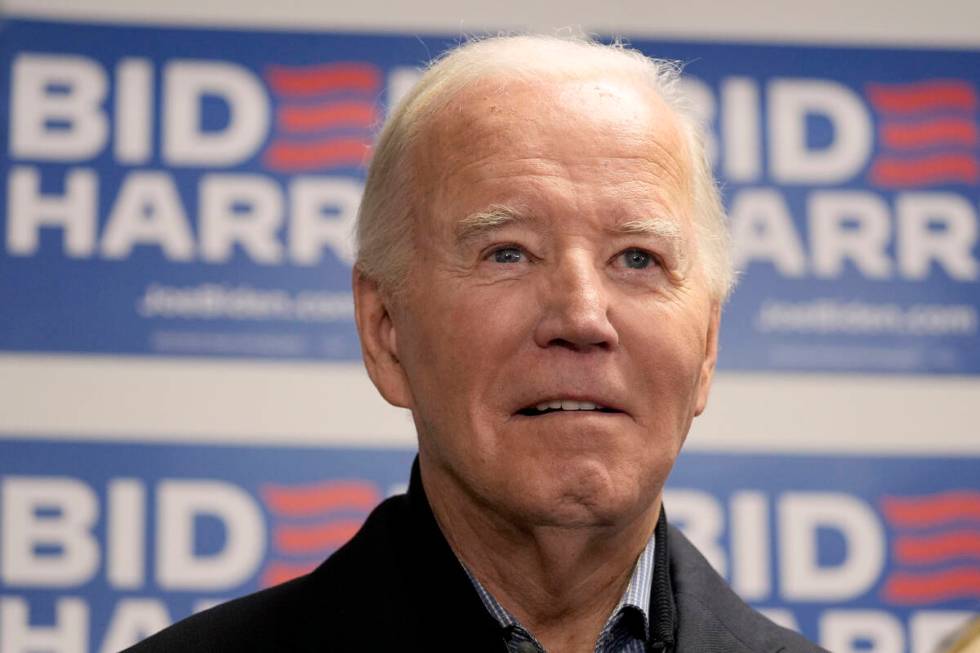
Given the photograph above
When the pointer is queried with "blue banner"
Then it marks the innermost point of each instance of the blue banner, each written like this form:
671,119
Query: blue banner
191,192
102,543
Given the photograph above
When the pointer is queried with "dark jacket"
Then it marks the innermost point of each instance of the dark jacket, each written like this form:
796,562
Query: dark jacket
397,586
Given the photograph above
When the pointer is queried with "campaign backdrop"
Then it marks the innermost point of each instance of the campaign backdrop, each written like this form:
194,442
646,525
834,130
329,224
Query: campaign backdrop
189,193
103,543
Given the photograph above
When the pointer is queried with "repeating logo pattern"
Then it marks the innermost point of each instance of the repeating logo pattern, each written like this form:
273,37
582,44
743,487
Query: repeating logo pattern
324,116
935,546
309,522
927,132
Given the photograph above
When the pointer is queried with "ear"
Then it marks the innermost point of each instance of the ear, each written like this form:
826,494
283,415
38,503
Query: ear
710,358
379,341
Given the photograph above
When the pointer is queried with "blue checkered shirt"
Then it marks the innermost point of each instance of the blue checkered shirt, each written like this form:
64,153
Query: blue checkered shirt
626,631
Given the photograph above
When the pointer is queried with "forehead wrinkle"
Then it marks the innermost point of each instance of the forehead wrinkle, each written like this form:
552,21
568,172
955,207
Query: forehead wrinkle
670,159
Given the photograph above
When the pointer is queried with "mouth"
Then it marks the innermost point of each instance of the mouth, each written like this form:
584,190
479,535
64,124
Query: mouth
565,406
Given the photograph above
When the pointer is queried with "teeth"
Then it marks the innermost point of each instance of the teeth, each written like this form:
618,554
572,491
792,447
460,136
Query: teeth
566,404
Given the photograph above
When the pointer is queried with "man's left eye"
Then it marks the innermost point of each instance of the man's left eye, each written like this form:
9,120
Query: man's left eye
508,255
637,259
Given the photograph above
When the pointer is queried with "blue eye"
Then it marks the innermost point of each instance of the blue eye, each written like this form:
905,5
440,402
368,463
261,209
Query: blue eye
637,259
508,255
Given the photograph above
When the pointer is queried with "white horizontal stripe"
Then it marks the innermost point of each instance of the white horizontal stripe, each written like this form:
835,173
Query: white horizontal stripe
827,413
282,403
196,400
950,24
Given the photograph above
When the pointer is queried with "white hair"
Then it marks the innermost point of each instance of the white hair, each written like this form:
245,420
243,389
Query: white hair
385,218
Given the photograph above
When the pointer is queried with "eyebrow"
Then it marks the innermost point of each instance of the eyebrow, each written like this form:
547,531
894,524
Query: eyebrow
475,225
659,227
495,217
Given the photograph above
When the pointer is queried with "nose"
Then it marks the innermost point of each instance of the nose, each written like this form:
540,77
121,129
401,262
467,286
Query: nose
575,308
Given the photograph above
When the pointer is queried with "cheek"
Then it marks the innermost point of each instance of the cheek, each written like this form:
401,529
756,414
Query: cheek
488,322
456,345
669,350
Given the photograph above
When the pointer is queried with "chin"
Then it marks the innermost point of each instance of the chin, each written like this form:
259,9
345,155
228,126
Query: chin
582,496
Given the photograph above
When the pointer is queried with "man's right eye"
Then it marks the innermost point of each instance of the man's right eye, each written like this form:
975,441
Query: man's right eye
508,255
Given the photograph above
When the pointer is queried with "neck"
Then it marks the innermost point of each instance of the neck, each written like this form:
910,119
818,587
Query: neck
561,583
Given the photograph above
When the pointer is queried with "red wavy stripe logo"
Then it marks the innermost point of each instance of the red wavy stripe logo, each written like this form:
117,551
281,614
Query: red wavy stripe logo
334,152
312,539
318,498
932,95
929,133
932,510
327,116
927,549
922,171
916,589
324,78
280,572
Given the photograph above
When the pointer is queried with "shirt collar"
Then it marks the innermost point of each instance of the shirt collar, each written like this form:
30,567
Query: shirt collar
637,594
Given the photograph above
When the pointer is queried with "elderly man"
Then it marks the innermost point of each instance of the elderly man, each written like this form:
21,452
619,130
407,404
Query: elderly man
542,265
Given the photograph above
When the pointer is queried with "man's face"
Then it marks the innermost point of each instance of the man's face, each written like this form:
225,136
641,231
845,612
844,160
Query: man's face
555,265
